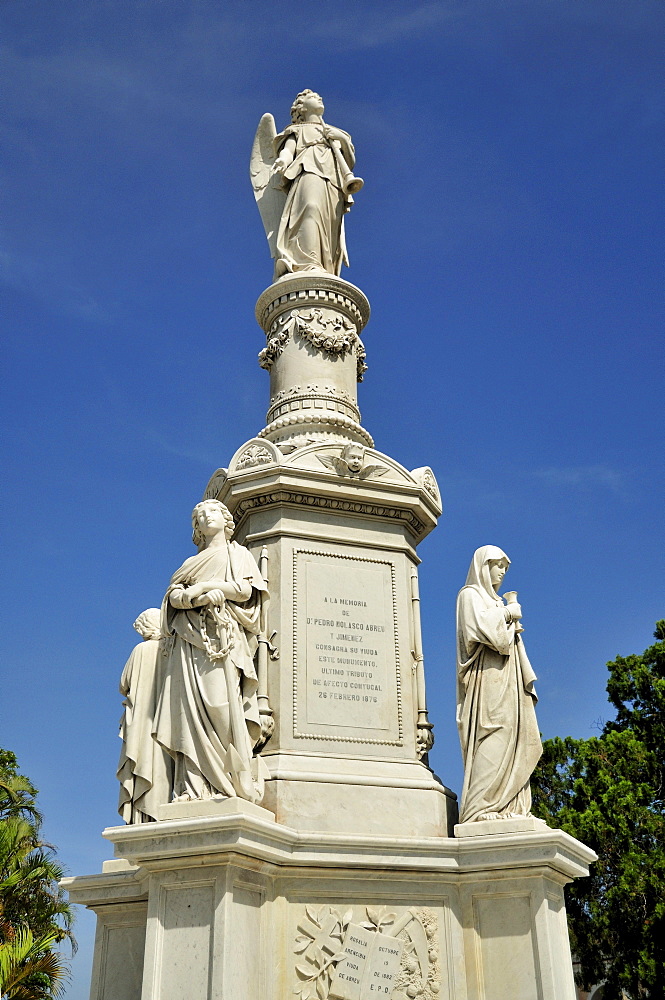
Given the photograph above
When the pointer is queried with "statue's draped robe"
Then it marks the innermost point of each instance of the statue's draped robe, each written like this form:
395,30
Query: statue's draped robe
495,701
311,230
145,771
208,717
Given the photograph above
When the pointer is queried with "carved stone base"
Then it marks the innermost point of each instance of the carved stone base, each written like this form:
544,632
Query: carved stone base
357,795
234,906
499,827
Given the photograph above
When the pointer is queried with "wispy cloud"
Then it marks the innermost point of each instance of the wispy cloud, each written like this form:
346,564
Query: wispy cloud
45,279
172,447
584,476
374,29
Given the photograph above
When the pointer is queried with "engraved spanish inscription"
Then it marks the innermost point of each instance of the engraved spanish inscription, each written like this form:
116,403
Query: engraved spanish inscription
370,965
350,971
347,648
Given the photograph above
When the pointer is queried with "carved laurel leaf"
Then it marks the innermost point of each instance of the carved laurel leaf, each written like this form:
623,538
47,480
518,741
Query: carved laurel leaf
338,957
302,943
305,972
387,920
311,913
374,915
321,989
348,917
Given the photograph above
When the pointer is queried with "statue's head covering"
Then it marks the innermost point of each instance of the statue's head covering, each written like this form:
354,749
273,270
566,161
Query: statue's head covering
479,570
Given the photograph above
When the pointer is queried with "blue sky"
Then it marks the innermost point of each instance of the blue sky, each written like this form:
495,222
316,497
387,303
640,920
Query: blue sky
509,238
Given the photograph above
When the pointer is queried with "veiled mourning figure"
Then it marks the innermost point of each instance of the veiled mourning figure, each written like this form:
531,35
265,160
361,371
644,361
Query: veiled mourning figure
208,716
303,183
495,696
145,770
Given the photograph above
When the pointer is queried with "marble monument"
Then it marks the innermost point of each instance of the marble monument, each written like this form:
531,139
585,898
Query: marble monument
495,696
284,833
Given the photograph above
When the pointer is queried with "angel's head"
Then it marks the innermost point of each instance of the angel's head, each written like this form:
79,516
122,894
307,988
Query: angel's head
354,456
307,102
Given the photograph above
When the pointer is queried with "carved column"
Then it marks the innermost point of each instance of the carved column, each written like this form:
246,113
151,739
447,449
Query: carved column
315,358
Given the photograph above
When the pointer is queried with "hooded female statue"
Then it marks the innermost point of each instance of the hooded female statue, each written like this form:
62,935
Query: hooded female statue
495,696
208,717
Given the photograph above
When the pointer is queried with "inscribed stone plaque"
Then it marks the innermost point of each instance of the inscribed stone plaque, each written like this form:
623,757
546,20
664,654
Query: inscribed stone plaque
383,966
350,971
370,967
346,648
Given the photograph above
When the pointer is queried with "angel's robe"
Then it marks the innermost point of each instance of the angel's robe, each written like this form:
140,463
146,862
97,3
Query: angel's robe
208,716
145,770
311,230
495,702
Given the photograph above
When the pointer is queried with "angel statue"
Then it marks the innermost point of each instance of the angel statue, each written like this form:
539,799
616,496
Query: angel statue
303,184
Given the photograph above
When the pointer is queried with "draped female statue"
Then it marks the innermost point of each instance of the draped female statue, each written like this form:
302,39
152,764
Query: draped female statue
145,770
207,718
303,184
495,696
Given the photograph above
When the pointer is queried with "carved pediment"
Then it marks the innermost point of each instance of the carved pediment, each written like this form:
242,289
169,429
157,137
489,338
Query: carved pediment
349,462
254,454
215,484
426,478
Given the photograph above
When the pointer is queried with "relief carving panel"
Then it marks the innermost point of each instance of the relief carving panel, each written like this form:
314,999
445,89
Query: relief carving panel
376,953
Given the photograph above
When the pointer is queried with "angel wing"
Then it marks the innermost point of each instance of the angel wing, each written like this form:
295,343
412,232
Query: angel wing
269,195
333,462
372,471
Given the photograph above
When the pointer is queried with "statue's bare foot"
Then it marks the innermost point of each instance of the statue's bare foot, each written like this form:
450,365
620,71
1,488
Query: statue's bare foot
185,797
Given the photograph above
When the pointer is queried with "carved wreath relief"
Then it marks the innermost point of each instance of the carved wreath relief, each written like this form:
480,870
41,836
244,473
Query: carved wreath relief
429,484
254,455
324,329
339,958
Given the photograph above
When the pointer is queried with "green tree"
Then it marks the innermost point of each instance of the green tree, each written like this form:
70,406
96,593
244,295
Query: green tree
608,791
35,916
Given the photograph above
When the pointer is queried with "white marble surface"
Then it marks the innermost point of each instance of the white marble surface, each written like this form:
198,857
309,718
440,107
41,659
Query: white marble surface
234,905
495,696
500,827
303,184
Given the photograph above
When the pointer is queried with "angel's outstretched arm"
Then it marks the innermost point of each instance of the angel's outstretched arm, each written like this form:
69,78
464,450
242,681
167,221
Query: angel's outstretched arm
286,156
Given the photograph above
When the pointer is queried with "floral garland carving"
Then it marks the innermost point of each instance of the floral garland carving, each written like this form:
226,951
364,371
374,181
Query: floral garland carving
361,354
276,343
334,334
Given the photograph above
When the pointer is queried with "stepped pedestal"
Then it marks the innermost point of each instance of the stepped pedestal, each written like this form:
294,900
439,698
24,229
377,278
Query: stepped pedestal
235,906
